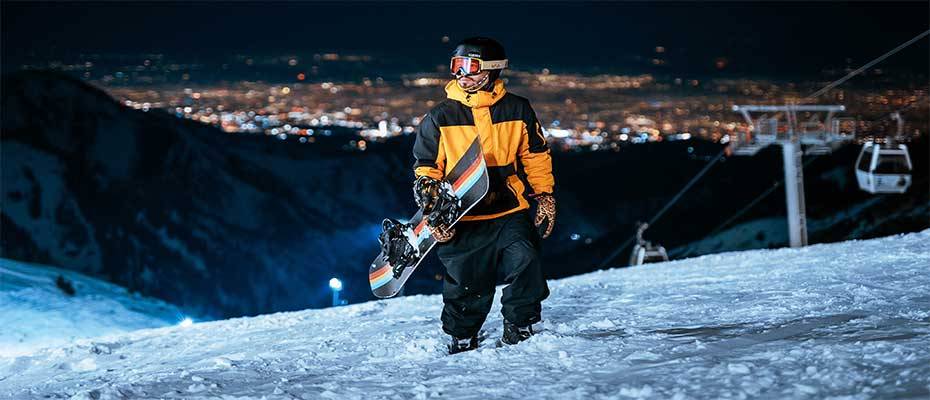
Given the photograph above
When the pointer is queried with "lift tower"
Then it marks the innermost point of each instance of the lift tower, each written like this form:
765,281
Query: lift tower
820,137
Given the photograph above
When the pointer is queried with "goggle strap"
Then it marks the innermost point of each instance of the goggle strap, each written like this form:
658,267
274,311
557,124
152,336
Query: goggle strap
493,64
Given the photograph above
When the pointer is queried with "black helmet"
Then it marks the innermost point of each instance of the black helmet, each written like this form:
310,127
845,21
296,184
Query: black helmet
489,51
480,47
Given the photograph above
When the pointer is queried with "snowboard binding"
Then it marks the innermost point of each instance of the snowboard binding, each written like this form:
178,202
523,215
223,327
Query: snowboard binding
396,247
438,201
446,210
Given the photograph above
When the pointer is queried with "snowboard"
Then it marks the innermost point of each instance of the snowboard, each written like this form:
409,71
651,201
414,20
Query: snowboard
469,184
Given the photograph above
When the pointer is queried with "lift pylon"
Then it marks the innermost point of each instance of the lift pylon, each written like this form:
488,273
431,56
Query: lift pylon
819,137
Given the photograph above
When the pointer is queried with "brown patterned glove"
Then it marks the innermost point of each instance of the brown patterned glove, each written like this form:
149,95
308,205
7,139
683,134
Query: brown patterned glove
545,214
441,234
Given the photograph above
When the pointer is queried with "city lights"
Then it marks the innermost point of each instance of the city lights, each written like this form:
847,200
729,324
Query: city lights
603,112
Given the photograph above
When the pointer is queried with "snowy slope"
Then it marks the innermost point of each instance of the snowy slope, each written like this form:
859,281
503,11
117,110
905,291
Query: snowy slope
35,312
844,320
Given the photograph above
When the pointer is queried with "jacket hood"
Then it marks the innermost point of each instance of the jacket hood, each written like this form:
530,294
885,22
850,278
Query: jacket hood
478,99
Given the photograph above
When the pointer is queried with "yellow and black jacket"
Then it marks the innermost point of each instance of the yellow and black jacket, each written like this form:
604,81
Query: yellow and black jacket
511,140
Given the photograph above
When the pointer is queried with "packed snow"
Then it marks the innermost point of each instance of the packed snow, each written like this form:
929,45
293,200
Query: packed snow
847,320
37,312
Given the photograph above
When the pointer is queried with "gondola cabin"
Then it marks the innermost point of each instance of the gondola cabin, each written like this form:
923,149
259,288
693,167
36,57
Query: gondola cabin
882,169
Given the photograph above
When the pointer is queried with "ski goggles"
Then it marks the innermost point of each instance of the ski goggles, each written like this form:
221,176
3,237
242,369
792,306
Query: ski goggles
461,66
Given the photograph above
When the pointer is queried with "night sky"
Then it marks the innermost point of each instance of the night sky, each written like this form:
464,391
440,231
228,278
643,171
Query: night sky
769,37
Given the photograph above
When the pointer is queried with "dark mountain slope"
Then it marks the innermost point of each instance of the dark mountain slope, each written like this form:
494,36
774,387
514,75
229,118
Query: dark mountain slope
172,207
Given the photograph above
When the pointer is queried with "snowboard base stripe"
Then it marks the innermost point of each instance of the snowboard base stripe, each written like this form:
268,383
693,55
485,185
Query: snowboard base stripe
472,179
419,228
380,277
421,232
468,174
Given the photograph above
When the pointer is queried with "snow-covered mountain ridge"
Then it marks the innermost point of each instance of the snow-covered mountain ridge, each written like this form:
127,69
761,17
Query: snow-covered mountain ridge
843,320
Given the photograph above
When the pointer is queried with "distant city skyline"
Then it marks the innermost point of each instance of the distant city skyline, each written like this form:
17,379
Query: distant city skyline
748,38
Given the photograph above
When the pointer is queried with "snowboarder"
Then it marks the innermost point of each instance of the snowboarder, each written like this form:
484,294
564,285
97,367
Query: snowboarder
497,235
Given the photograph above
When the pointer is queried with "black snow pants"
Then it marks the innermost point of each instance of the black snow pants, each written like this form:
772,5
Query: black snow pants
479,251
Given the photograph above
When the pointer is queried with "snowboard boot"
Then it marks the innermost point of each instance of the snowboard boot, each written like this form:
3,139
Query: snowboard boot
515,334
460,345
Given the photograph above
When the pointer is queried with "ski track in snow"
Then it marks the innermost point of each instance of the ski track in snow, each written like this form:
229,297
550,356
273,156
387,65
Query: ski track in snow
847,321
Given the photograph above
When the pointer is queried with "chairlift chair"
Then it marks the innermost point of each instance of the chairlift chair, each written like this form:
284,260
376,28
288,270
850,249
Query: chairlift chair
644,251
749,149
817,150
767,130
764,133
820,138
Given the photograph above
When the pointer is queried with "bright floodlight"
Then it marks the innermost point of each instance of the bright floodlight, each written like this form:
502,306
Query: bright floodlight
186,322
335,284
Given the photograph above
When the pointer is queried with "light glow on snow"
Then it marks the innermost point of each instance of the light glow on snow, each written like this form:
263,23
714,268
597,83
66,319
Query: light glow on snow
35,312
186,322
